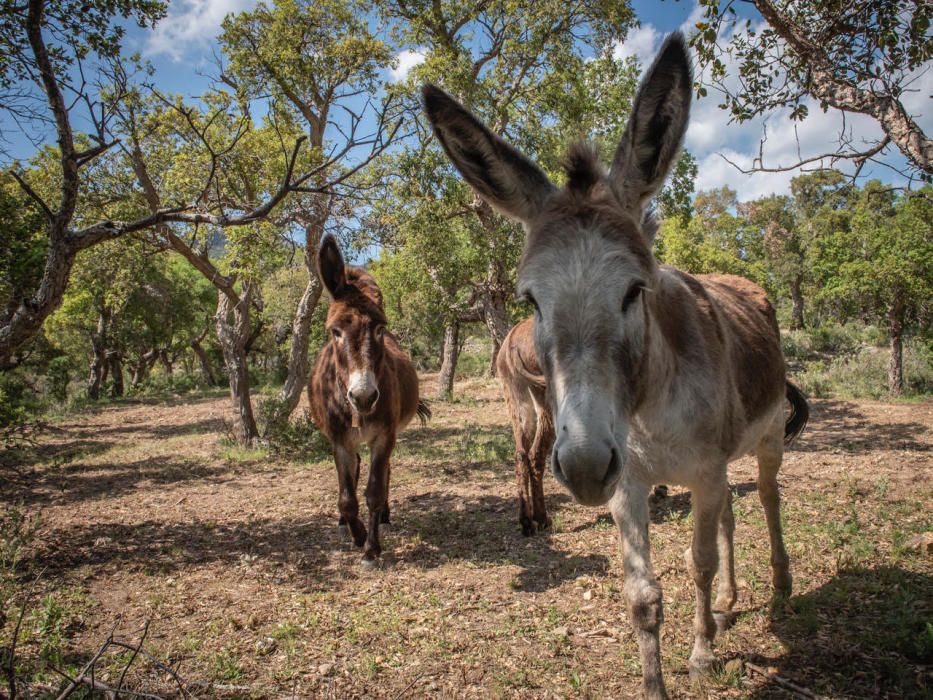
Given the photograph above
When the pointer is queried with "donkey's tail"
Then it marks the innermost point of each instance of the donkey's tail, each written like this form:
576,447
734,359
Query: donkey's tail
424,411
799,413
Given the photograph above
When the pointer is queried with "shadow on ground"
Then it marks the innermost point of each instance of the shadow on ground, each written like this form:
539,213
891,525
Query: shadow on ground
286,546
865,633
484,530
840,425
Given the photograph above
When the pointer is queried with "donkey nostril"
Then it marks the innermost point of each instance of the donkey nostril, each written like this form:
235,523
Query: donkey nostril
614,469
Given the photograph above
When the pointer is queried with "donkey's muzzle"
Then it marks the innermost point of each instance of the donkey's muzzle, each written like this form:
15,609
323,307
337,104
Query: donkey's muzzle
363,391
363,400
589,472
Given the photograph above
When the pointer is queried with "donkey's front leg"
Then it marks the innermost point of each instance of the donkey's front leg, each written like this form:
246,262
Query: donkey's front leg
629,508
702,559
348,472
377,493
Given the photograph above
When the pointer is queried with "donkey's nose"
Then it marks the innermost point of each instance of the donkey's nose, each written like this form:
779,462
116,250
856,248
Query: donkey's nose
588,471
363,398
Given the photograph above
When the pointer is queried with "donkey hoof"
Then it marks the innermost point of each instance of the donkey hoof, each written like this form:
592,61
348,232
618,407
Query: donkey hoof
724,620
529,527
701,666
370,561
783,584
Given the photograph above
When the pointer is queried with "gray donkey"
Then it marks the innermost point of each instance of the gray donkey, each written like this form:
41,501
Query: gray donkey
654,375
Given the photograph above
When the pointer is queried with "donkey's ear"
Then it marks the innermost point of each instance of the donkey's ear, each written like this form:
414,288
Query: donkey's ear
498,172
331,267
656,128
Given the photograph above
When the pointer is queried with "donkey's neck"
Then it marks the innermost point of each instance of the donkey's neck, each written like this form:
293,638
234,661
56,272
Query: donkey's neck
670,374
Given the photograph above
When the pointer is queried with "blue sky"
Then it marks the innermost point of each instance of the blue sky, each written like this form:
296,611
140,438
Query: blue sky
182,47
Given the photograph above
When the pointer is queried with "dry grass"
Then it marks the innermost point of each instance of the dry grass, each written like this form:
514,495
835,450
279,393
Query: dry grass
236,559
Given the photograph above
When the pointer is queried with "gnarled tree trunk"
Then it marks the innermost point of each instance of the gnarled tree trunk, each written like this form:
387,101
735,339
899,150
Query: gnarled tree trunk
115,362
450,353
98,370
796,295
204,362
233,332
299,365
896,334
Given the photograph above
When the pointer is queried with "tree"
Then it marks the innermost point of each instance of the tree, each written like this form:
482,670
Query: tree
879,265
858,57
49,84
314,61
522,67
713,240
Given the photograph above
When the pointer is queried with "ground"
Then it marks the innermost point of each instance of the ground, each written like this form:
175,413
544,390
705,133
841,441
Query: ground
147,513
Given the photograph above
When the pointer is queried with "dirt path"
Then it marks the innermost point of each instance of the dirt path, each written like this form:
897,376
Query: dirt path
235,558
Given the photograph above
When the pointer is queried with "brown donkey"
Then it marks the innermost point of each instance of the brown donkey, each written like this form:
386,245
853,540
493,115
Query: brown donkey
653,375
524,388
363,389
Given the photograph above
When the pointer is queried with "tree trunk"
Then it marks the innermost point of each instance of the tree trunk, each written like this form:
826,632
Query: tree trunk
204,362
299,365
24,323
141,368
449,356
496,317
166,361
896,334
796,295
98,371
233,337
115,361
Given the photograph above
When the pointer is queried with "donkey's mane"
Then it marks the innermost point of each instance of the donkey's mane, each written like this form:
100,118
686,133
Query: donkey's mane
582,167
363,293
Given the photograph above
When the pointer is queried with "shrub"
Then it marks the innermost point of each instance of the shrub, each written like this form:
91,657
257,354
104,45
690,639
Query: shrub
298,438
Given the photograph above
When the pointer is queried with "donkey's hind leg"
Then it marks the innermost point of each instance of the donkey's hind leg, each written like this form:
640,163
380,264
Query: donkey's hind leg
540,453
523,428
770,453
726,592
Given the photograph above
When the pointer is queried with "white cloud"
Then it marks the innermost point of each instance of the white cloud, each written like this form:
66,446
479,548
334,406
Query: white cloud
641,43
711,135
191,24
405,61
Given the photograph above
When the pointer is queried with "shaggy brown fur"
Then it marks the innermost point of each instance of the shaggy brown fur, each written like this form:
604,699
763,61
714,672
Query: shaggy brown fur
360,343
524,388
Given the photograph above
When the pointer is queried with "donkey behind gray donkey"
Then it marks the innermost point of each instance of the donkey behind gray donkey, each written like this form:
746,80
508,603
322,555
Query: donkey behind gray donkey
654,376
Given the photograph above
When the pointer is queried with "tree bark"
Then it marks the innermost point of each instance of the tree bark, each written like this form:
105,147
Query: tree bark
826,86
796,295
493,298
98,370
204,363
115,362
896,334
167,363
450,353
233,334
141,368
299,366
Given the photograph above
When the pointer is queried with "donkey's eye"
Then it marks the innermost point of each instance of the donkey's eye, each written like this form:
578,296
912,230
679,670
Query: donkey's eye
336,333
632,295
379,331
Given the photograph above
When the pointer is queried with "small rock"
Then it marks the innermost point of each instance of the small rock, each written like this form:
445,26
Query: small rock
561,632
588,595
265,646
922,543
325,669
